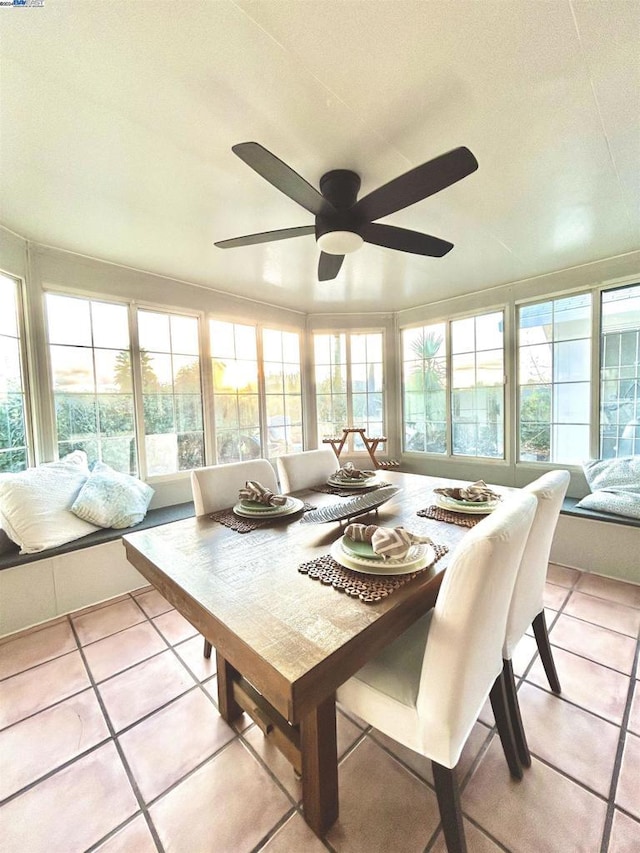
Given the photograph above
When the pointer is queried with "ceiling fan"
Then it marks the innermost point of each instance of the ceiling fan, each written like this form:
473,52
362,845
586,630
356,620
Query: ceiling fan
343,224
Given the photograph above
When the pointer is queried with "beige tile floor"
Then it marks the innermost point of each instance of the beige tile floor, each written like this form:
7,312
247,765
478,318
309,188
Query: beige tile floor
110,740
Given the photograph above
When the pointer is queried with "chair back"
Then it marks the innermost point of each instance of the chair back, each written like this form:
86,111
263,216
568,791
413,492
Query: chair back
308,468
217,487
463,655
527,601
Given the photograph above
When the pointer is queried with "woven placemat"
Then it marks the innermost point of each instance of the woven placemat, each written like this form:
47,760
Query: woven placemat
459,518
368,588
345,491
246,525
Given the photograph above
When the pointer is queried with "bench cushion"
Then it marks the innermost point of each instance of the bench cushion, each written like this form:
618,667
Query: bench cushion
153,518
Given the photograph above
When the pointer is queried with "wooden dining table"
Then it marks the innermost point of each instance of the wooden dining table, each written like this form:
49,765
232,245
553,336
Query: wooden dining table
285,642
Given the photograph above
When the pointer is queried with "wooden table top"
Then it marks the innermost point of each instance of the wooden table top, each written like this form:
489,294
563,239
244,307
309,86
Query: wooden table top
295,639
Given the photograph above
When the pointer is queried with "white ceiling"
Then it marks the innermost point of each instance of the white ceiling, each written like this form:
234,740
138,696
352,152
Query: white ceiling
118,119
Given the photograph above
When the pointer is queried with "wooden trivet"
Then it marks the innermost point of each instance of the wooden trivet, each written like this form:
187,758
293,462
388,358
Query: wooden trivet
246,525
461,519
345,491
367,588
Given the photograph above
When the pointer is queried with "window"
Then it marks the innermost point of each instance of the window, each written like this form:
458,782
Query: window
424,368
14,450
235,388
283,391
475,395
349,384
620,372
92,384
554,355
331,383
366,385
477,385
171,392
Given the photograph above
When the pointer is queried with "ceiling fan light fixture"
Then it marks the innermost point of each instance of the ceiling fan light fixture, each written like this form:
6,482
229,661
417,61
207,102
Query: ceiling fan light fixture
340,242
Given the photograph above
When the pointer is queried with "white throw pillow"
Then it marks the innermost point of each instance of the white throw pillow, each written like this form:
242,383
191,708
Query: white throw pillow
111,499
35,505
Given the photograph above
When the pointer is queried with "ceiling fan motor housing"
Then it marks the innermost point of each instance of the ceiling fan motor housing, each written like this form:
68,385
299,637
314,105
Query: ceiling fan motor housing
340,188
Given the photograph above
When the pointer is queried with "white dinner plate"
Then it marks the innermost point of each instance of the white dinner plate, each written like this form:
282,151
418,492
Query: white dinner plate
354,484
425,557
255,506
479,509
292,505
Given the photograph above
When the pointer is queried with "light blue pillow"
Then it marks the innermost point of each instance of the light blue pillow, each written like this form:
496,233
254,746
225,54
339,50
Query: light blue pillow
111,499
620,501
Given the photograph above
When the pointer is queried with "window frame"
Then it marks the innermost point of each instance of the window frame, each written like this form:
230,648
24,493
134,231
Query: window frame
447,319
27,388
349,448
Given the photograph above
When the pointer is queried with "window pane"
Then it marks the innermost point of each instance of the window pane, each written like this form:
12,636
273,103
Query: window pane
9,305
108,366
349,393
424,377
69,320
184,335
572,318
620,373
477,400
245,337
283,386
115,414
172,396
571,361
72,369
110,325
154,331
535,363
222,340
271,345
92,385
463,335
489,331
554,359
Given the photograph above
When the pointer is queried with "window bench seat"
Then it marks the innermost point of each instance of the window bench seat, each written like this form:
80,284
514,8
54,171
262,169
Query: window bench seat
569,507
38,587
597,542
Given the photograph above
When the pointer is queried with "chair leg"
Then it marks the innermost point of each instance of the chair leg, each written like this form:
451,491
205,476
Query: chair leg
544,647
207,649
514,714
448,796
498,698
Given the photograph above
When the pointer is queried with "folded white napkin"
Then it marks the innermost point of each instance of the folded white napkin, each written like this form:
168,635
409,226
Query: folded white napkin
254,491
389,542
477,492
350,472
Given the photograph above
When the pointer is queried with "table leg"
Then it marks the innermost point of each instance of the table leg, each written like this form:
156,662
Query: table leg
320,766
227,705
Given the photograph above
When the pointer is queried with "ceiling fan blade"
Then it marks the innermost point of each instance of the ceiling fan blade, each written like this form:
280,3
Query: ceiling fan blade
329,266
266,237
282,177
404,240
417,184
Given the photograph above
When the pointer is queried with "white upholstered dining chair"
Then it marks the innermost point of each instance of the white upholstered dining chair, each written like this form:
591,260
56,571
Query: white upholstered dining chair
307,468
527,606
217,486
427,688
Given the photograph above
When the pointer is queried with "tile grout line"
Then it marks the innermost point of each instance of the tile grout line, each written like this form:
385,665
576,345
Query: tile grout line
615,776
125,764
